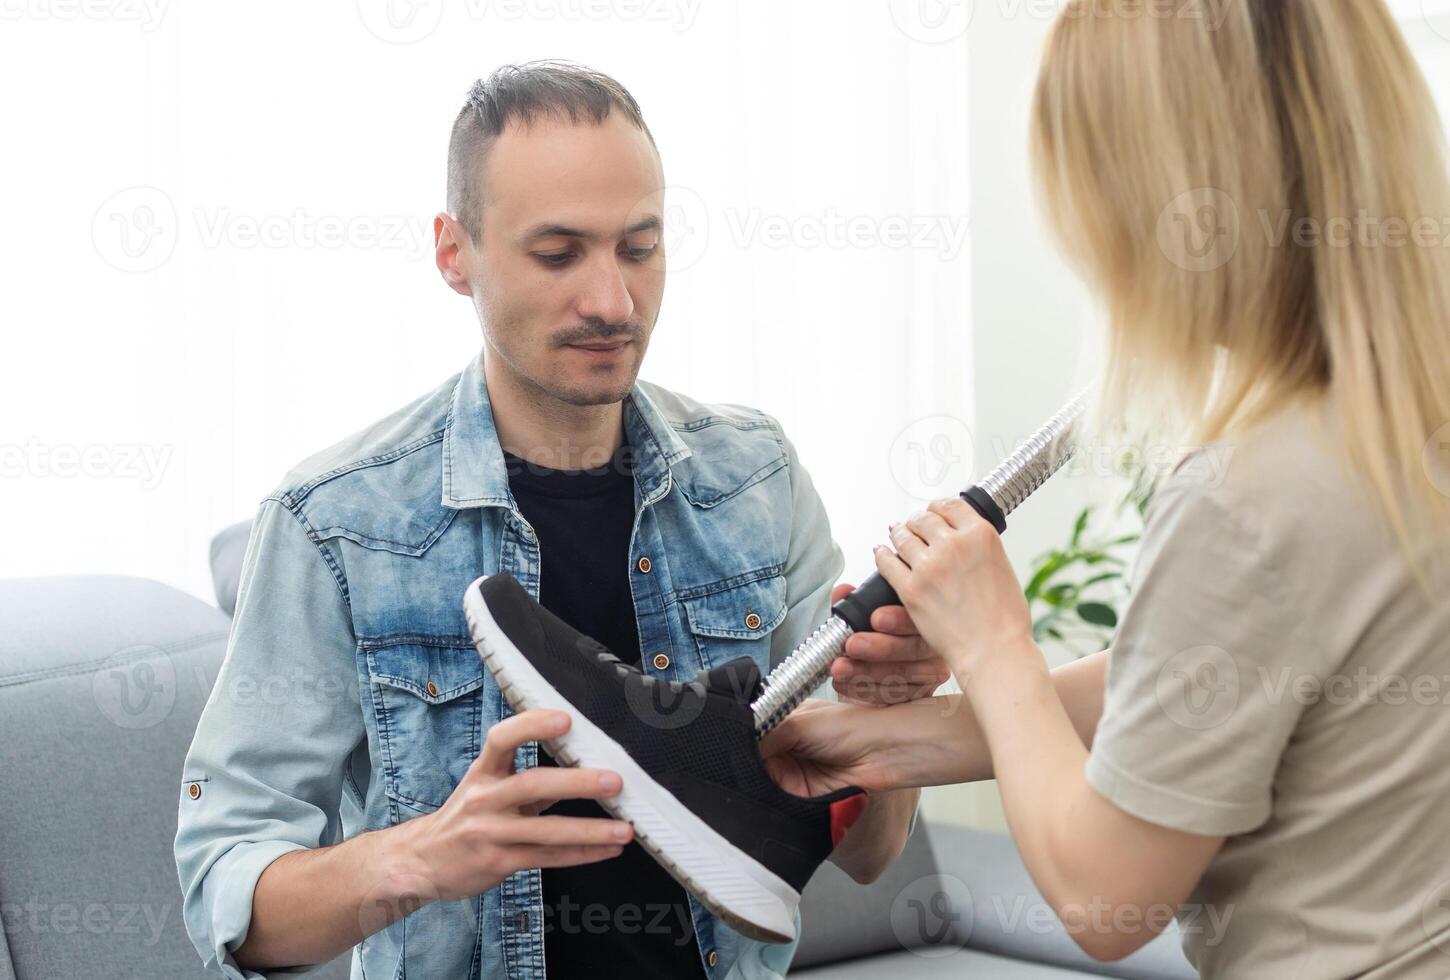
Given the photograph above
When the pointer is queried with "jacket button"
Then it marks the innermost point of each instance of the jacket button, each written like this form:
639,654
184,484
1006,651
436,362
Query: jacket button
661,661
644,564
194,791
432,690
752,621
712,958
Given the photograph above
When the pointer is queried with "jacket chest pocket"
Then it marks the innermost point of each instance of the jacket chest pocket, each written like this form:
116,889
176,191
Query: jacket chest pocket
735,620
428,696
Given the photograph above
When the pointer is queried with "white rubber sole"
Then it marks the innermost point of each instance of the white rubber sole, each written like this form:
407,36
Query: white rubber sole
734,886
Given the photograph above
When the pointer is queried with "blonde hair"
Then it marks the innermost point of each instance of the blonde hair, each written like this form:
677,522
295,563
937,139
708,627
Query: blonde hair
1233,188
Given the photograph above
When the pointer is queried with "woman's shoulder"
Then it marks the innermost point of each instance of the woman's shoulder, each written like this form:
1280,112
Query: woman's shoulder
1286,485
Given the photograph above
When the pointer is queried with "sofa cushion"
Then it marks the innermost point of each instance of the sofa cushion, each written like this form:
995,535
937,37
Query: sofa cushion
101,683
955,964
843,920
228,549
952,892
1009,916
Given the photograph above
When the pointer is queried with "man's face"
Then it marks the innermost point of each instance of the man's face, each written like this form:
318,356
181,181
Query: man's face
569,271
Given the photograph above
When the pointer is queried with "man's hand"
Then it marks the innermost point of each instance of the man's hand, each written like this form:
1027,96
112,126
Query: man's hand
490,826
889,666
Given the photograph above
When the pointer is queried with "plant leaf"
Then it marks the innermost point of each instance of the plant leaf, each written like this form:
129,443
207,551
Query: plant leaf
1098,613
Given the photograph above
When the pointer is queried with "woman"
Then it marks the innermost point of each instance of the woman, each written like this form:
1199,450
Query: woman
1269,736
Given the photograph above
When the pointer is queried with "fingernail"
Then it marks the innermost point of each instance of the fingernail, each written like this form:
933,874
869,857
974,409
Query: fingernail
623,832
609,782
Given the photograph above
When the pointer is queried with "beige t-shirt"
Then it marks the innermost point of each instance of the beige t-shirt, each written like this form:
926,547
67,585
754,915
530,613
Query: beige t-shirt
1279,678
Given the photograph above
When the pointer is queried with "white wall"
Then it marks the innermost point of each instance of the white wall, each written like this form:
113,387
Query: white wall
818,208
1034,338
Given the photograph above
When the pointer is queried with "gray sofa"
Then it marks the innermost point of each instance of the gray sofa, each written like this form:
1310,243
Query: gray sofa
101,683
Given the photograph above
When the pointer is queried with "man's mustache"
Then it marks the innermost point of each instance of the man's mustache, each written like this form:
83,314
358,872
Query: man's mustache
595,330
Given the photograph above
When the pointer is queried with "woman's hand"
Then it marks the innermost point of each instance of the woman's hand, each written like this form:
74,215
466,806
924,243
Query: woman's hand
889,665
823,746
819,748
952,575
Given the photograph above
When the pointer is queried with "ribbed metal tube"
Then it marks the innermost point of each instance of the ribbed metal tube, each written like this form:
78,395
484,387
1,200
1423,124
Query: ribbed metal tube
1042,455
799,674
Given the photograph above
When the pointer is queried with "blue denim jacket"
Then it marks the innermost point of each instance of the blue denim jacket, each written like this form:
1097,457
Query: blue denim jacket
351,698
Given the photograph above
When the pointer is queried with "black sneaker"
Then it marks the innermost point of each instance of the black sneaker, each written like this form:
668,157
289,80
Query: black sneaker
695,788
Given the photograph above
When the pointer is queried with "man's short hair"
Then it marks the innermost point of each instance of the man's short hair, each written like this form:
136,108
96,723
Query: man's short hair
523,93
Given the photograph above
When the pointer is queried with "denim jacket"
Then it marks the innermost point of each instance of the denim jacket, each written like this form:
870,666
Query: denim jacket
351,698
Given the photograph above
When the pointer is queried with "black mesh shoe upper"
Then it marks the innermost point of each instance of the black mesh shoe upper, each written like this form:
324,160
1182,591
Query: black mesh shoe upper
696,739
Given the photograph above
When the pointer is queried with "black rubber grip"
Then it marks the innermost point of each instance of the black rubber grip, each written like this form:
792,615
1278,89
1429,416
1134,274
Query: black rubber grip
869,596
875,592
983,504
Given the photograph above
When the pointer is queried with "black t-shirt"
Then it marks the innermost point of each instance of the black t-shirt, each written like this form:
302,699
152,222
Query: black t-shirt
625,916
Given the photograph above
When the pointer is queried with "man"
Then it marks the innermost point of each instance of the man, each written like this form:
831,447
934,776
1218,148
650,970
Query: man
680,535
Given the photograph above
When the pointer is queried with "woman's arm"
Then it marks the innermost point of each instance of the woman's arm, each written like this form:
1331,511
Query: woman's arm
930,742
1114,879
